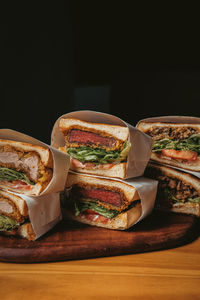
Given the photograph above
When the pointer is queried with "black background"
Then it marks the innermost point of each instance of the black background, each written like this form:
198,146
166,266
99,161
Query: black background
147,56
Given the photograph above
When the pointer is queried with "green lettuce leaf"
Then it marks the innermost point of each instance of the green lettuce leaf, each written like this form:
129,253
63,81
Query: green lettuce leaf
7,224
98,155
81,206
191,143
10,175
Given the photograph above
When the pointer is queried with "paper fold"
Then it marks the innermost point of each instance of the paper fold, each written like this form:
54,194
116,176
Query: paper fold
44,212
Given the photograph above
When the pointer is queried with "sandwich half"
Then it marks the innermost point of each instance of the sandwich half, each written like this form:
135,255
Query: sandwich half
96,148
24,168
101,202
177,191
14,218
174,144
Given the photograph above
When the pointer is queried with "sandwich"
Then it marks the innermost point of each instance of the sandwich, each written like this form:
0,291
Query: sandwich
14,217
175,144
24,168
101,202
177,191
96,148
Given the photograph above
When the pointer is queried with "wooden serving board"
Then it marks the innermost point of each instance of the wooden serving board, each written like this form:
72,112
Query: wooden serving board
71,240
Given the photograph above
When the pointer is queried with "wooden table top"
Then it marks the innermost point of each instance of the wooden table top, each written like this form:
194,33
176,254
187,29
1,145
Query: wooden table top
166,274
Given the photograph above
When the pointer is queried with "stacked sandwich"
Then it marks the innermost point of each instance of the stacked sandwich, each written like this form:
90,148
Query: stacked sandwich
26,170
96,190
175,162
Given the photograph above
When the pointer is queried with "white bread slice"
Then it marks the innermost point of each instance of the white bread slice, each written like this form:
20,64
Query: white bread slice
121,222
26,231
188,165
44,153
116,131
129,191
35,189
116,171
185,208
13,206
145,126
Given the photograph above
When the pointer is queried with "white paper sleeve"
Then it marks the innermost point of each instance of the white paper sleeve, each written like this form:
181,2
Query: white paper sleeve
147,190
44,212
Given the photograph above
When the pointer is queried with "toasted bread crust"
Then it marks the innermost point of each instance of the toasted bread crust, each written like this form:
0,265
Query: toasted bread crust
145,125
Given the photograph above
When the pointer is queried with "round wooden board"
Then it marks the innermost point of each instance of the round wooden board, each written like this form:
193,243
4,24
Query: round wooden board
71,240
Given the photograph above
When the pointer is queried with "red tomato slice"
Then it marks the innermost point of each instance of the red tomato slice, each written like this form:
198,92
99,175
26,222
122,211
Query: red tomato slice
180,154
91,215
90,211
17,184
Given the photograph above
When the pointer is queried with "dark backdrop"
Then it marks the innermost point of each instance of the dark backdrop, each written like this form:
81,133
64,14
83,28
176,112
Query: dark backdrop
69,55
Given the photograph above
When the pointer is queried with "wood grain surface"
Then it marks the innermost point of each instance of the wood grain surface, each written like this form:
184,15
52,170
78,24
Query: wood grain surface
71,240
167,274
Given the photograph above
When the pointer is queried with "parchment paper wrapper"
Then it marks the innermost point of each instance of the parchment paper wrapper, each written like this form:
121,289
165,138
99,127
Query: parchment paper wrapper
174,119
61,161
147,190
141,143
44,212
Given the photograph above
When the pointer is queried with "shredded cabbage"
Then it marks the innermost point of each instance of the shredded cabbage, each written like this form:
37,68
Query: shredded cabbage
10,175
98,155
191,143
7,224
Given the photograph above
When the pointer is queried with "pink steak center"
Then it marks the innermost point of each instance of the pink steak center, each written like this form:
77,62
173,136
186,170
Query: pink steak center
106,196
86,137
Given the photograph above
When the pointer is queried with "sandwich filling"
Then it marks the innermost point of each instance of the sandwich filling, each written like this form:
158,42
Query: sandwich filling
7,223
92,150
21,169
173,191
97,203
179,143
87,137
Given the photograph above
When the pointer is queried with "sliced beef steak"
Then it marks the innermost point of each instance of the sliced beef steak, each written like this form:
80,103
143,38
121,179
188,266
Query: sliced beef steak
87,137
100,194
